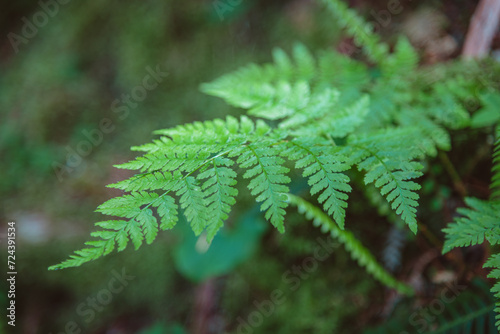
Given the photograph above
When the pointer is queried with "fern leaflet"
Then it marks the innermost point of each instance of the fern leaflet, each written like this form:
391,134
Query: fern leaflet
495,170
264,167
391,168
494,262
323,165
478,223
219,193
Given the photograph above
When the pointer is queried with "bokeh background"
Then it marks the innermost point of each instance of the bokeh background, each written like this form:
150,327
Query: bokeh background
60,80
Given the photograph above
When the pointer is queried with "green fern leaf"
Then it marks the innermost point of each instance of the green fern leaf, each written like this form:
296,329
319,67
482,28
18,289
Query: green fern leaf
127,206
149,225
220,192
323,165
445,107
170,165
390,167
268,179
403,61
494,262
246,87
269,91
328,122
135,232
283,68
194,204
341,72
489,114
97,249
145,181
495,170
305,63
167,210
318,106
281,101
478,223
431,136
121,237
361,31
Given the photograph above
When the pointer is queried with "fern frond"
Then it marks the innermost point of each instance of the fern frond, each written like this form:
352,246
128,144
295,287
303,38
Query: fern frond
336,123
356,250
445,107
122,232
280,101
432,135
318,105
243,88
149,225
219,193
96,250
488,115
475,316
193,203
361,31
478,223
167,210
495,170
127,206
272,87
189,146
403,61
300,86
494,262
174,165
298,92
323,165
301,68
390,167
145,181
341,72
268,179
305,63
383,111
142,224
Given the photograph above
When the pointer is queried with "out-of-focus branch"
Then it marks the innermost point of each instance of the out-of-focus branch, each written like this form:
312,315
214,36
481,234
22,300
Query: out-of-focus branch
482,29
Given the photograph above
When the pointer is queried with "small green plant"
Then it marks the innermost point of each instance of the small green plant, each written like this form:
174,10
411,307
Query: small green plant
337,120
480,222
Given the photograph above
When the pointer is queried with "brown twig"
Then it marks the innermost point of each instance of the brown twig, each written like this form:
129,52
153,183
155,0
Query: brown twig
205,305
452,172
482,29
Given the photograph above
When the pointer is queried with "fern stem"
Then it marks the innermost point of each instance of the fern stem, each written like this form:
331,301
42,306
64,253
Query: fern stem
411,223
464,319
452,172
429,235
357,251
